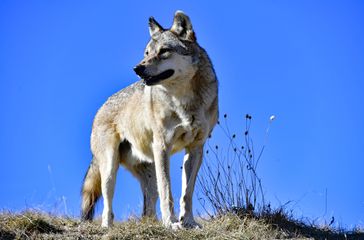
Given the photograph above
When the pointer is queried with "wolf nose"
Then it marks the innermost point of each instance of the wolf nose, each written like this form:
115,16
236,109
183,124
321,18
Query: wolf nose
139,69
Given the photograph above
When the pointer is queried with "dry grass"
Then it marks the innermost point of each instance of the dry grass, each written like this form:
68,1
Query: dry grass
35,225
229,183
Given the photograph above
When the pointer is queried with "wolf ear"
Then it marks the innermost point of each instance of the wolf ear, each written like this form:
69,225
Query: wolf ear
155,29
182,27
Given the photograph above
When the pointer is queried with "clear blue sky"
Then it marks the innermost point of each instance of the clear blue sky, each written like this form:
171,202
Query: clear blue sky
300,60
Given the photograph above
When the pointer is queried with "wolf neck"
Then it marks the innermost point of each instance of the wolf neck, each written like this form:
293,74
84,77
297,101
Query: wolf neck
204,83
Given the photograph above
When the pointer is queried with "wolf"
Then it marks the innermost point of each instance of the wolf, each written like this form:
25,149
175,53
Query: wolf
174,106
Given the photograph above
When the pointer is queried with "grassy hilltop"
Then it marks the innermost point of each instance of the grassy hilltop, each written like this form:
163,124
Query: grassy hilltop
33,225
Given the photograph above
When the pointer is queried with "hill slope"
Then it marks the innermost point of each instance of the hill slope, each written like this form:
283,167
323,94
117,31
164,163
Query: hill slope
31,225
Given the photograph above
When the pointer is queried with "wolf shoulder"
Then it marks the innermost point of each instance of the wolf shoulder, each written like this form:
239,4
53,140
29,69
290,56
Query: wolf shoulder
119,102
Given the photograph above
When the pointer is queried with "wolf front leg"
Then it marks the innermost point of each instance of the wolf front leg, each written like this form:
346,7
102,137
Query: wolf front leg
191,164
161,158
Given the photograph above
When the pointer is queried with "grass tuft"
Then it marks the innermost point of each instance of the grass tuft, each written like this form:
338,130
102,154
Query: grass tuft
27,224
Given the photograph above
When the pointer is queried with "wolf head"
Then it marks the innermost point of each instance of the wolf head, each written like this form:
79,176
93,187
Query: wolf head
171,55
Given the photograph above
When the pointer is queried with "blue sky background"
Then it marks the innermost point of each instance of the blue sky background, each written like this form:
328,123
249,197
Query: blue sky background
300,60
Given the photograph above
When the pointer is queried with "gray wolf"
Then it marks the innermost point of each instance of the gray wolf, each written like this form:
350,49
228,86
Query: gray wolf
174,106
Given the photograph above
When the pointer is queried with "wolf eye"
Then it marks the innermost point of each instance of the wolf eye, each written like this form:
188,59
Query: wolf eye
164,50
164,53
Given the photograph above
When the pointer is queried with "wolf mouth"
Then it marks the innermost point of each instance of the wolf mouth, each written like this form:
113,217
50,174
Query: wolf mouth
152,80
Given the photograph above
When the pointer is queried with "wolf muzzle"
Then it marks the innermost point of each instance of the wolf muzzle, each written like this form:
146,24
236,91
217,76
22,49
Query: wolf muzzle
152,80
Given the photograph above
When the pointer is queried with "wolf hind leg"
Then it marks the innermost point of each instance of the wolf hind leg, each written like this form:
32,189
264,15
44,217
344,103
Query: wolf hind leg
109,164
145,173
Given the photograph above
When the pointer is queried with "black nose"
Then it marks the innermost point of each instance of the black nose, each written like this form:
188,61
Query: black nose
139,69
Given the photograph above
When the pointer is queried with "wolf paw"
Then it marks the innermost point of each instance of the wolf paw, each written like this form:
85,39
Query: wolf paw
186,224
107,220
169,223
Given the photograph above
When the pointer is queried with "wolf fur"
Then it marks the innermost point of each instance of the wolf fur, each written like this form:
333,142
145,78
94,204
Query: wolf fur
173,107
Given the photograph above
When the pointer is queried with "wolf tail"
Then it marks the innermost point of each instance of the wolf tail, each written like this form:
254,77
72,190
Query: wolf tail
91,191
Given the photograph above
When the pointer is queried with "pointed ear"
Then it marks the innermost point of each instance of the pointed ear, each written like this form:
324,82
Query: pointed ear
182,27
155,29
